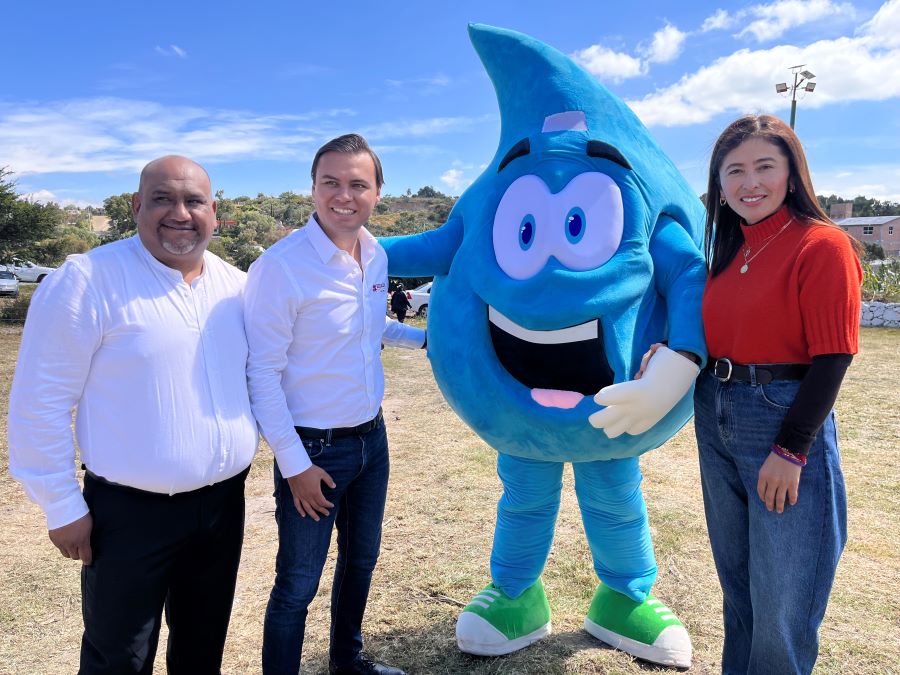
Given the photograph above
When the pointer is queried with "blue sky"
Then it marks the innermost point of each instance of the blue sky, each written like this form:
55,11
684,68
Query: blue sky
92,91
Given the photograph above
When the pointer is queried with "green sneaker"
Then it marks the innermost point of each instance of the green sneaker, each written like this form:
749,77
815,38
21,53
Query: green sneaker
493,624
648,630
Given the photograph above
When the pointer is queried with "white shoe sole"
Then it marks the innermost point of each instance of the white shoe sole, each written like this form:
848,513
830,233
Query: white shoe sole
476,636
668,650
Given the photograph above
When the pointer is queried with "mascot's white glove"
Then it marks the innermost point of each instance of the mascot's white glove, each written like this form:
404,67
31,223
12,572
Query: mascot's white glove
635,406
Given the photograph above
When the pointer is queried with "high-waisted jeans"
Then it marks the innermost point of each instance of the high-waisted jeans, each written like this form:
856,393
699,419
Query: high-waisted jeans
776,569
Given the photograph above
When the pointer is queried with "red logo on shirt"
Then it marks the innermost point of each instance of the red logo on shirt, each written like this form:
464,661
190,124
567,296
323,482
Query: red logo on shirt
377,288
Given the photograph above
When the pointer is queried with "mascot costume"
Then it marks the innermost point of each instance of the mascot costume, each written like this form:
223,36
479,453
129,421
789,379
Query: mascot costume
575,250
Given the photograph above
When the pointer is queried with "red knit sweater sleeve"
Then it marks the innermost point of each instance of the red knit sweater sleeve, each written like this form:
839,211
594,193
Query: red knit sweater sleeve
829,277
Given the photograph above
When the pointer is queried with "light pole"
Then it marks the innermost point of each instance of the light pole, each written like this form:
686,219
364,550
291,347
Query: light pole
800,76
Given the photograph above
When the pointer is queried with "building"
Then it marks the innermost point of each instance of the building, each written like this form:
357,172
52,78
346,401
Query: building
881,230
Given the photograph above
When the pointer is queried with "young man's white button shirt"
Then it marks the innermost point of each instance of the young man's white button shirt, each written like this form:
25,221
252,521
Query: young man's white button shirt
315,323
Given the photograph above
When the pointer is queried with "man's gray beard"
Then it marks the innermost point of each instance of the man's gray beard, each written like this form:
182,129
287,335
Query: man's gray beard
182,249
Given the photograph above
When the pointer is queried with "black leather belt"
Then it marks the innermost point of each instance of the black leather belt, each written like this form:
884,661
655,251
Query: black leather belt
338,432
724,370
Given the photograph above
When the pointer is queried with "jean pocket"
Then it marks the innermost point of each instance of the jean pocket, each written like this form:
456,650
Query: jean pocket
779,394
314,448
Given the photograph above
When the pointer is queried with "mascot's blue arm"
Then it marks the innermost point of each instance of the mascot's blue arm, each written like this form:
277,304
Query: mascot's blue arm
680,279
426,254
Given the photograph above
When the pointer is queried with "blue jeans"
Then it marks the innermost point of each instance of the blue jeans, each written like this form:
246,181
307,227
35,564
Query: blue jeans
612,510
359,467
776,569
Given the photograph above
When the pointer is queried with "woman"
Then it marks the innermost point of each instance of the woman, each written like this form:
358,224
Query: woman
781,315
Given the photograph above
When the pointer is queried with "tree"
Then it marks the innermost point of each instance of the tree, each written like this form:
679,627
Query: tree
429,192
121,218
23,223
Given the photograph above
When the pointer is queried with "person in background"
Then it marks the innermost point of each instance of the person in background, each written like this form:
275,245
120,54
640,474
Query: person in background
315,319
145,337
781,315
400,303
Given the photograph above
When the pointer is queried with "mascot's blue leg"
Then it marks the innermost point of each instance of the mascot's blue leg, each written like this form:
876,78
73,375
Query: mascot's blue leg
615,521
526,518
512,611
623,613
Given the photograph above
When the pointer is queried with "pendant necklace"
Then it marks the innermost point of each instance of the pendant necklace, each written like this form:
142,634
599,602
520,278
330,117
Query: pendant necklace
748,257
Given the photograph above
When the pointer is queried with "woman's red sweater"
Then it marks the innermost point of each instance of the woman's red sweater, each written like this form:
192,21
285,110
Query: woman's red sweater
799,297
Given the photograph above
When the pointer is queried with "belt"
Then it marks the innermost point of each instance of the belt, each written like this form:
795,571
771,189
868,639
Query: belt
337,432
763,373
237,478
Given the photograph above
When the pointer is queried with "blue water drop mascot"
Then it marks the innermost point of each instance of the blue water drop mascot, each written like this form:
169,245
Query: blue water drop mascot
575,250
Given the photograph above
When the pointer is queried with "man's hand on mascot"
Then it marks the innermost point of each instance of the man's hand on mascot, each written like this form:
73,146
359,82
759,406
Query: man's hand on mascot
633,407
306,487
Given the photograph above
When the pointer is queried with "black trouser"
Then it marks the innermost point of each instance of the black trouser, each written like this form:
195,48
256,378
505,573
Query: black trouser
401,315
152,550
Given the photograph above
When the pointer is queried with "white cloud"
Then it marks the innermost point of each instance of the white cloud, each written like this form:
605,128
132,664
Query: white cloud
171,50
774,19
857,69
771,21
454,179
438,80
123,134
876,182
666,46
718,21
885,25
426,127
46,197
608,65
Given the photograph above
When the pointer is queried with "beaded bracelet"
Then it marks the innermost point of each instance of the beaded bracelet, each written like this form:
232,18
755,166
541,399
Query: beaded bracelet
799,460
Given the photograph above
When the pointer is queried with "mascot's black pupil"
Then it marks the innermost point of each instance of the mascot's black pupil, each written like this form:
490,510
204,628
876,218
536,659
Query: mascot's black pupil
526,231
575,225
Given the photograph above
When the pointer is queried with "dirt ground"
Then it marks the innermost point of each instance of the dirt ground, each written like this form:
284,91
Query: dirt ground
437,539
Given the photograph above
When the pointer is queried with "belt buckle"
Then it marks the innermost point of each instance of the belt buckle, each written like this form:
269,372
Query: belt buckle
716,370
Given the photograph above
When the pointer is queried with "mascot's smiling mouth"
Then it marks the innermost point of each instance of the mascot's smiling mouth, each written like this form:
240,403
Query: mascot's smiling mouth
559,366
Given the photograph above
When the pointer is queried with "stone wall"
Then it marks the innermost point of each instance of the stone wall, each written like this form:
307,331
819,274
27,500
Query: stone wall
880,314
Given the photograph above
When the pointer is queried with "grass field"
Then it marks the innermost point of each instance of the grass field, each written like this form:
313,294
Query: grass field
437,539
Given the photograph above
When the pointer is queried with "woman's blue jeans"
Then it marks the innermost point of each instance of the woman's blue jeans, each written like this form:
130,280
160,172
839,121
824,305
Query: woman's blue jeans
359,467
776,569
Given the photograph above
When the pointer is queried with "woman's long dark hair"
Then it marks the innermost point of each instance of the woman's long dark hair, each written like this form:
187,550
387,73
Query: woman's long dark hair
723,237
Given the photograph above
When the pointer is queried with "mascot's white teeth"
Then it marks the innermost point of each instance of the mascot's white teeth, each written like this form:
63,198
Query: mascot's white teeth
579,333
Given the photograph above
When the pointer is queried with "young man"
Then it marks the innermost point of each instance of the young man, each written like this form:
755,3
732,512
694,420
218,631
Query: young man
315,320
145,337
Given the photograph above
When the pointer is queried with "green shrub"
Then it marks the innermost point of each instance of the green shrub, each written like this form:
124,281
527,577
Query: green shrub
14,310
881,283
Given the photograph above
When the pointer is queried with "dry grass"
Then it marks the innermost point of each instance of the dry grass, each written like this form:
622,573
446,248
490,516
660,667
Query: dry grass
437,540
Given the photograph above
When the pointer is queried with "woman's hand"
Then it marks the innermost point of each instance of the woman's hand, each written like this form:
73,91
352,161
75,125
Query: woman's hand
779,479
646,359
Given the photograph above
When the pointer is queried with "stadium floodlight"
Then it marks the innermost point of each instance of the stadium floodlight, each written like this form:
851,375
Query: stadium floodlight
781,87
810,86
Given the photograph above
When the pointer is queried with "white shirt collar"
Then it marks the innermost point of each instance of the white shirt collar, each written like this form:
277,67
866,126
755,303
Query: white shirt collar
162,268
326,249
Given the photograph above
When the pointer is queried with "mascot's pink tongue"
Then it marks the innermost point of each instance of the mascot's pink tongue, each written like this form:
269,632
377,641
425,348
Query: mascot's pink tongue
556,398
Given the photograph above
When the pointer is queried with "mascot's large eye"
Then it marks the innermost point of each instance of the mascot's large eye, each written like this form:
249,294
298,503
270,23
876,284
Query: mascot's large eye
521,234
590,207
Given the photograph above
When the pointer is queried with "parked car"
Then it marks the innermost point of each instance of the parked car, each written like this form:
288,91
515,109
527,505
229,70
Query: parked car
26,270
418,298
9,285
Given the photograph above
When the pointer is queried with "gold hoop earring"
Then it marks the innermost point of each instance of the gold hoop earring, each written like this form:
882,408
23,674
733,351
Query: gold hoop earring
722,200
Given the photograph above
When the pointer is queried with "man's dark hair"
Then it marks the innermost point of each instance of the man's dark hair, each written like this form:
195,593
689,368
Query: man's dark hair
349,144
